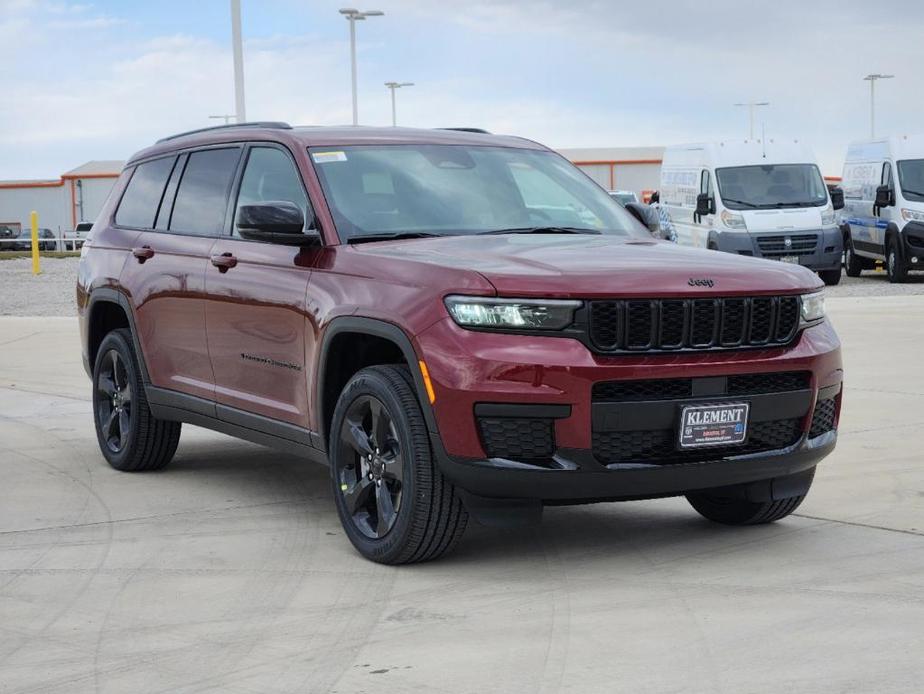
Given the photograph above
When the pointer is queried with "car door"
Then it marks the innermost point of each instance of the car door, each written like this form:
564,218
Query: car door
256,304
166,272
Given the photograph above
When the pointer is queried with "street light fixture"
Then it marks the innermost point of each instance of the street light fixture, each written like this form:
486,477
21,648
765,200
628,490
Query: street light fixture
751,105
393,86
872,100
353,15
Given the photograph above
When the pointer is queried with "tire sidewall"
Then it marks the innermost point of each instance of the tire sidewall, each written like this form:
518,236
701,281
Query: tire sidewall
389,547
117,341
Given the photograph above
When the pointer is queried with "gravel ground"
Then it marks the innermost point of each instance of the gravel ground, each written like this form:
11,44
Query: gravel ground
52,292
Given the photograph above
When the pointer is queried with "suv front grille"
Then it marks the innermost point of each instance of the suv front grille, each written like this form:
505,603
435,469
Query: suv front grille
644,325
823,417
775,246
680,388
659,446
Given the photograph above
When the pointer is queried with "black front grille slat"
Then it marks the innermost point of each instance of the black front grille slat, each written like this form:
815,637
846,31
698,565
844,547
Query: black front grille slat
823,417
799,244
517,438
639,325
773,382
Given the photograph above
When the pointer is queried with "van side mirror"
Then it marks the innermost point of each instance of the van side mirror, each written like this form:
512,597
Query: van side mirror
279,222
704,205
837,197
884,197
646,214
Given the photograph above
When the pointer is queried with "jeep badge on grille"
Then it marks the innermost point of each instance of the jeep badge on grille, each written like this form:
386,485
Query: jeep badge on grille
700,282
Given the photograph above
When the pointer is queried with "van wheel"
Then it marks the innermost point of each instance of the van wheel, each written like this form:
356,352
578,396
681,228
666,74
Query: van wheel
853,264
895,266
830,277
394,503
129,436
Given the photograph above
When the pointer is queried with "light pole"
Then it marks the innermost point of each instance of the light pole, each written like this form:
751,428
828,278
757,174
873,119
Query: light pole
393,86
238,50
227,117
751,105
872,100
353,15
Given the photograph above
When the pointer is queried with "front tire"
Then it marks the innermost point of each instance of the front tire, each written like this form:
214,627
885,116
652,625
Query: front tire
394,503
736,510
853,264
895,266
130,437
830,277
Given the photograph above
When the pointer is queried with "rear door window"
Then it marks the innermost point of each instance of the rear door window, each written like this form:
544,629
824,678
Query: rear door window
139,205
202,198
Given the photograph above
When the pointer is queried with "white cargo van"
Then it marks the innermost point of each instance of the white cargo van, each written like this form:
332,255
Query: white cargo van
763,199
884,205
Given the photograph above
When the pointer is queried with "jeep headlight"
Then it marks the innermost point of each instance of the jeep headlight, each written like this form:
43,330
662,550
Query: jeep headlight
813,307
912,215
732,220
511,314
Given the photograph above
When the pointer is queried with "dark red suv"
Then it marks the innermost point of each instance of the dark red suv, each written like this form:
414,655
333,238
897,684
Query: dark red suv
457,323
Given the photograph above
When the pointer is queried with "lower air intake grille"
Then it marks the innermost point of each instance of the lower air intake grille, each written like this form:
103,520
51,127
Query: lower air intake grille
658,446
526,439
823,418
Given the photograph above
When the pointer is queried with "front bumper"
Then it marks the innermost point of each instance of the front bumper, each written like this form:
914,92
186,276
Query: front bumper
824,254
558,374
913,244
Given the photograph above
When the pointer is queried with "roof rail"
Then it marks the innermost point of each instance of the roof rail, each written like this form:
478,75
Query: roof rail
269,124
468,130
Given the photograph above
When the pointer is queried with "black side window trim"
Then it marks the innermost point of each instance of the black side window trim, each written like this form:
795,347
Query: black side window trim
311,219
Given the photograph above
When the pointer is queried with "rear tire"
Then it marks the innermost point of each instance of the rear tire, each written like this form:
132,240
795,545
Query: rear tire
394,503
728,510
130,437
830,277
895,266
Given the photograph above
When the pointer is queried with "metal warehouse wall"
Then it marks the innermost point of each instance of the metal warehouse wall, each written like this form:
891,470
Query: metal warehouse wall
51,203
619,168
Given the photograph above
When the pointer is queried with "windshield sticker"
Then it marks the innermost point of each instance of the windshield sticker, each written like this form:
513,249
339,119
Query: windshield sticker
326,157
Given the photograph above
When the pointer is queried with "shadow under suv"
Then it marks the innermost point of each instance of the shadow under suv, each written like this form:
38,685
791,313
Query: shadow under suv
458,324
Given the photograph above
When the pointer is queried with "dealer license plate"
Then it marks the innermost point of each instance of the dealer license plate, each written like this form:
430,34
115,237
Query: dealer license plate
713,425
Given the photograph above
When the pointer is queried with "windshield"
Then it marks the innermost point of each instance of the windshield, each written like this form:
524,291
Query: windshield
911,179
447,190
623,198
771,186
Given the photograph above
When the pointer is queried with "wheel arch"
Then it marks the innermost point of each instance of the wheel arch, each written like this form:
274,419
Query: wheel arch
893,235
108,309
337,364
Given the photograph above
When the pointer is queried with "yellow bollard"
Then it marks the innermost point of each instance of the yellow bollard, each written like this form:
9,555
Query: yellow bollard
35,244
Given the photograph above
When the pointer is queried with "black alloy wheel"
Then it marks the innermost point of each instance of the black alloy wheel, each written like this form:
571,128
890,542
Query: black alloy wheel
114,401
371,473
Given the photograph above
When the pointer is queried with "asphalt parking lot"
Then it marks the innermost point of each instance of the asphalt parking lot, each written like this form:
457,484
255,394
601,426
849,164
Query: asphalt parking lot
228,572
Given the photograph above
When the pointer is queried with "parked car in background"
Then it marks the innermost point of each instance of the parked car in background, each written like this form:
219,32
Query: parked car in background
883,184
402,305
623,197
48,241
761,199
7,236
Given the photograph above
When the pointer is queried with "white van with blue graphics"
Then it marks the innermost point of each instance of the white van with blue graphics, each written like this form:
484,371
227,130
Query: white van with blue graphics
883,216
762,199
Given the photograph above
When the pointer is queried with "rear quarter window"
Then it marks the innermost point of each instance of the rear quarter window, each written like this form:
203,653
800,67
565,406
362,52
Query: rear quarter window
139,204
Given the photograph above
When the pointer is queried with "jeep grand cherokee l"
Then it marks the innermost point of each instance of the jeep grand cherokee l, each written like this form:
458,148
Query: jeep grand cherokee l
458,324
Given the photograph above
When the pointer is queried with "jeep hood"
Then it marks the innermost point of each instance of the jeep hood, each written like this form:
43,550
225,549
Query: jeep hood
597,266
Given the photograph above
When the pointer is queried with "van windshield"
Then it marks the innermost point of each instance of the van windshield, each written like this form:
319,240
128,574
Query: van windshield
911,179
441,190
771,186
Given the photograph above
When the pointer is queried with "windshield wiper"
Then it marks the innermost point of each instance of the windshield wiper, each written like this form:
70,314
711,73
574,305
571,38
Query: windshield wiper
739,202
540,230
364,238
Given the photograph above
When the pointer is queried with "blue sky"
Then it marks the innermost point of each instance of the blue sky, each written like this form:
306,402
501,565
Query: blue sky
99,80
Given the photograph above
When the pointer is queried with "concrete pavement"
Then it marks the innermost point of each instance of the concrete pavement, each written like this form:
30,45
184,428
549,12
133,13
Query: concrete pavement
228,572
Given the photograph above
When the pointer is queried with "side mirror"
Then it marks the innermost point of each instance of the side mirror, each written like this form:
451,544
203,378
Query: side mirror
279,222
884,196
646,214
704,205
84,226
837,197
